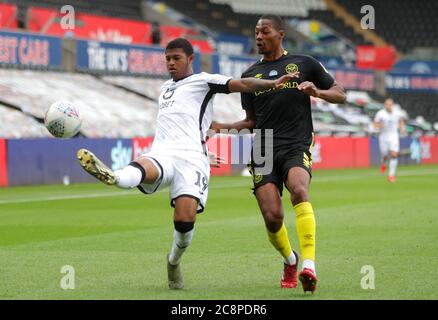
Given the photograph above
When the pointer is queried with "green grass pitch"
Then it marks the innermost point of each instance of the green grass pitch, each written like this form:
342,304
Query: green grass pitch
117,240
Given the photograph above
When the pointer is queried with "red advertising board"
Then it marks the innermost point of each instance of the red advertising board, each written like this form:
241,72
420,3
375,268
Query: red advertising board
429,149
140,146
376,58
340,152
89,26
108,29
3,164
222,147
8,16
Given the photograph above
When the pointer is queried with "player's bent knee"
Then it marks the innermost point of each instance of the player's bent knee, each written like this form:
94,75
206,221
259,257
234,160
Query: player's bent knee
299,194
183,226
150,168
273,220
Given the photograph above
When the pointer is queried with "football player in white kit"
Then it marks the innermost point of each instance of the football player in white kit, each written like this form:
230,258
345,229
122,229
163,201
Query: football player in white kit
389,121
179,158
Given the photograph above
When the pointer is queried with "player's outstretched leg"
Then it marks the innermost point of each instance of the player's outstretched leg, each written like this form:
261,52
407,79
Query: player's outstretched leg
95,167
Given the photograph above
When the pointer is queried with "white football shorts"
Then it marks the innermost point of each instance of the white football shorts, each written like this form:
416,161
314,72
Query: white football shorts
389,143
185,173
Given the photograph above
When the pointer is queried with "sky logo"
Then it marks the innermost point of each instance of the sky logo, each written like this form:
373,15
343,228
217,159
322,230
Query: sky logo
120,156
415,150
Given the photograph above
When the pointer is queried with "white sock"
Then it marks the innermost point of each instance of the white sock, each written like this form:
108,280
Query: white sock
309,264
180,243
291,260
129,177
393,166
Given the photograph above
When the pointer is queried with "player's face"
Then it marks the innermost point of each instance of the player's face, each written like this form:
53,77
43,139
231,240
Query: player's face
388,105
178,64
268,39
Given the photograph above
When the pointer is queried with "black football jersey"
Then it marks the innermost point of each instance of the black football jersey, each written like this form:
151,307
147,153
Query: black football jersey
287,110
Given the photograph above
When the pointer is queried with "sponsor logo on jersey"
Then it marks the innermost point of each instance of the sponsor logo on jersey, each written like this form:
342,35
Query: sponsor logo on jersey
291,68
273,73
287,85
168,93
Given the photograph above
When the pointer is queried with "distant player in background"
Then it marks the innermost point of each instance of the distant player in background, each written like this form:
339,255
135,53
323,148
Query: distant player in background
179,158
389,121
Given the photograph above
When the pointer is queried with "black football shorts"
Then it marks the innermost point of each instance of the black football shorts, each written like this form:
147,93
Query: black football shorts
283,161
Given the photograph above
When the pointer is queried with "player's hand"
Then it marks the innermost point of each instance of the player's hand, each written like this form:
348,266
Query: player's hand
285,78
215,126
215,160
309,88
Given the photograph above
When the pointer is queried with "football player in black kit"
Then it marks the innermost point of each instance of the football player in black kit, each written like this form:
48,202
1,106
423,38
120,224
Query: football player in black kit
287,112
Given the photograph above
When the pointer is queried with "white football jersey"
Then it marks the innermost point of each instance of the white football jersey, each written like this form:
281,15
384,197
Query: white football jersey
186,110
390,122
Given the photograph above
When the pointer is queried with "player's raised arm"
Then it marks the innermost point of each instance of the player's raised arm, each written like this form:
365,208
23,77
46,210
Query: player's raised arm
255,84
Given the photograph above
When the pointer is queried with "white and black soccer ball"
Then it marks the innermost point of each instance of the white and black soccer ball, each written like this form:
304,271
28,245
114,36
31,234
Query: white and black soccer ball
62,119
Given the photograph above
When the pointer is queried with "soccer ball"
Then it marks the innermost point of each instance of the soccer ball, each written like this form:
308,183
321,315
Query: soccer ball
62,119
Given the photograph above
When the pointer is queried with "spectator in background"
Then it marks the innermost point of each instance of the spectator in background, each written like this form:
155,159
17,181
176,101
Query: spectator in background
21,17
156,33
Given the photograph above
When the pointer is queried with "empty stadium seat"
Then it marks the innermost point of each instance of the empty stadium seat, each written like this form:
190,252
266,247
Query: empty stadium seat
108,111
404,23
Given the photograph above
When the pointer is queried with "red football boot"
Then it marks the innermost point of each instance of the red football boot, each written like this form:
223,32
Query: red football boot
391,179
383,168
308,280
290,276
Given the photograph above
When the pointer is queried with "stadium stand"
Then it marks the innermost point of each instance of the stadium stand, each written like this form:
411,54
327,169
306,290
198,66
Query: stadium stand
338,25
296,8
218,17
15,124
405,23
239,17
111,111
419,104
